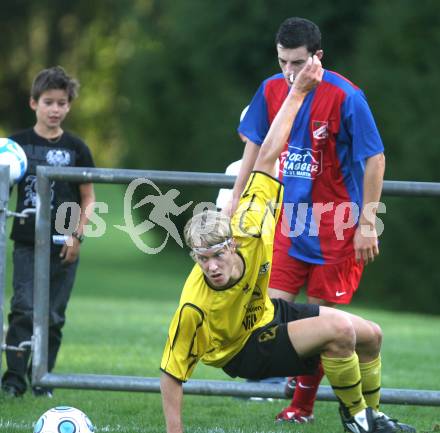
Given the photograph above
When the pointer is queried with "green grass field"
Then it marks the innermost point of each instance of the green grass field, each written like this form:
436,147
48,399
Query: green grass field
117,323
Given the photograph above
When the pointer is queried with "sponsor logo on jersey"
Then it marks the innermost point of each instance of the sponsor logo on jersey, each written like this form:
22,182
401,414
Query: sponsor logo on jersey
304,163
253,313
282,159
249,321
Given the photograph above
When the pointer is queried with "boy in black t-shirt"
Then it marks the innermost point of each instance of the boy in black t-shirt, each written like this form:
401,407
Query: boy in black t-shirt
46,143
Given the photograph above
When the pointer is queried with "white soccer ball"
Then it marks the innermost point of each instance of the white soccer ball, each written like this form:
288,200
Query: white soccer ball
12,154
64,419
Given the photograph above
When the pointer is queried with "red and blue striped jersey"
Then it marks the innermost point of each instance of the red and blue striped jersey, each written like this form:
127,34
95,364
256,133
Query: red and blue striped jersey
323,164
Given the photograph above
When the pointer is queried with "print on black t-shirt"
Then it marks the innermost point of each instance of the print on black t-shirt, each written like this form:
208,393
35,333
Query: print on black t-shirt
68,151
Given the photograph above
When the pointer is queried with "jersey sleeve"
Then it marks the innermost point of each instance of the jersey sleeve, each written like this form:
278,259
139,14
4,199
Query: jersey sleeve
85,158
360,123
186,343
259,207
255,123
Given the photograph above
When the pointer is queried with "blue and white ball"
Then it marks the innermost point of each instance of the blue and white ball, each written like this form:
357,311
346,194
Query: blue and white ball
64,419
12,154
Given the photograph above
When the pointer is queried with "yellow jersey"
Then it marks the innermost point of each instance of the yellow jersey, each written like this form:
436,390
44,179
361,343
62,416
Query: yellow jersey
212,325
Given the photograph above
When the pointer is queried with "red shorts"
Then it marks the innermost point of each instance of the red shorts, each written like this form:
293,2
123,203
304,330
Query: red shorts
334,283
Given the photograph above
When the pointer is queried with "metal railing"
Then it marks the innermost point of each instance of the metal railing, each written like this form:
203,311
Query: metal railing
40,374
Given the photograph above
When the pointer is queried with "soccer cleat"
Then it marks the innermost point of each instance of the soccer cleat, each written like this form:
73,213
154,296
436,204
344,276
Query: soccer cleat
11,391
294,414
362,422
386,424
41,391
289,388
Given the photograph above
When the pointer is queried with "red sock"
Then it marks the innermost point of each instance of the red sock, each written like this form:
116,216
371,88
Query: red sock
306,389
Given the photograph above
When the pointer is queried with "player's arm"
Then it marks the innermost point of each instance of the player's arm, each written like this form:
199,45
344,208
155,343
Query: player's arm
172,397
70,250
309,77
185,345
365,240
250,154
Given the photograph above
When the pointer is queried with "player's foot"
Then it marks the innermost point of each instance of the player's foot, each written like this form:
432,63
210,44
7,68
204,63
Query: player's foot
41,391
369,421
362,422
384,423
11,391
289,388
294,414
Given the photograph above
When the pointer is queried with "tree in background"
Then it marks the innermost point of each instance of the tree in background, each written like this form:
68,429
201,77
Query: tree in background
164,82
88,39
395,61
198,66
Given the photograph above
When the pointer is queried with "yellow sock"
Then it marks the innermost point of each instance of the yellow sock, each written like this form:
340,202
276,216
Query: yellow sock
371,378
345,378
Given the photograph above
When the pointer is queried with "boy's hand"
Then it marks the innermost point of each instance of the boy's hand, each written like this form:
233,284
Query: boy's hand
70,251
309,77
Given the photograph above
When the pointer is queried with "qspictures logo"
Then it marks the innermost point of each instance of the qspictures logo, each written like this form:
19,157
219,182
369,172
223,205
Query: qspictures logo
163,207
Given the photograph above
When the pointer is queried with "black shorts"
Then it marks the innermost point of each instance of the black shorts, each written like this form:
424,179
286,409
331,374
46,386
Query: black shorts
269,352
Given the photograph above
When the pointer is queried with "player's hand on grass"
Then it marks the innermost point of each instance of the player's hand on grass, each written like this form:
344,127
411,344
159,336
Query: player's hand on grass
366,246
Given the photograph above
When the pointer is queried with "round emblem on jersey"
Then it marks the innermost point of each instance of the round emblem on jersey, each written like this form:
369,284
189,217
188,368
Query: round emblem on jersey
58,157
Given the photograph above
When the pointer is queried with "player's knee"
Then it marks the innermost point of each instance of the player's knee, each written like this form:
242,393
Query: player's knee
344,336
21,317
376,336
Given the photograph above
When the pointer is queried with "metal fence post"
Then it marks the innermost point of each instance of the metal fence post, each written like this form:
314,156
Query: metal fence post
4,199
41,278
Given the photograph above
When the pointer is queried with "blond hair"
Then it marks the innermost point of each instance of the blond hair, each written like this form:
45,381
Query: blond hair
207,229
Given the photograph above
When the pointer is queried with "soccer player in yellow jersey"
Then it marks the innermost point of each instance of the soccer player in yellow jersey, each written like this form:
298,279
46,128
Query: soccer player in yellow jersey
226,319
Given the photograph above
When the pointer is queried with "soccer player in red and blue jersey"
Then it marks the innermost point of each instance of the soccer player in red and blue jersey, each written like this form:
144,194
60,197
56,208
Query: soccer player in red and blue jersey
332,168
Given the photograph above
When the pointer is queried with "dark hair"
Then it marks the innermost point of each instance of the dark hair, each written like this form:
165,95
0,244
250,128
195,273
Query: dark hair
298,32
54,78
